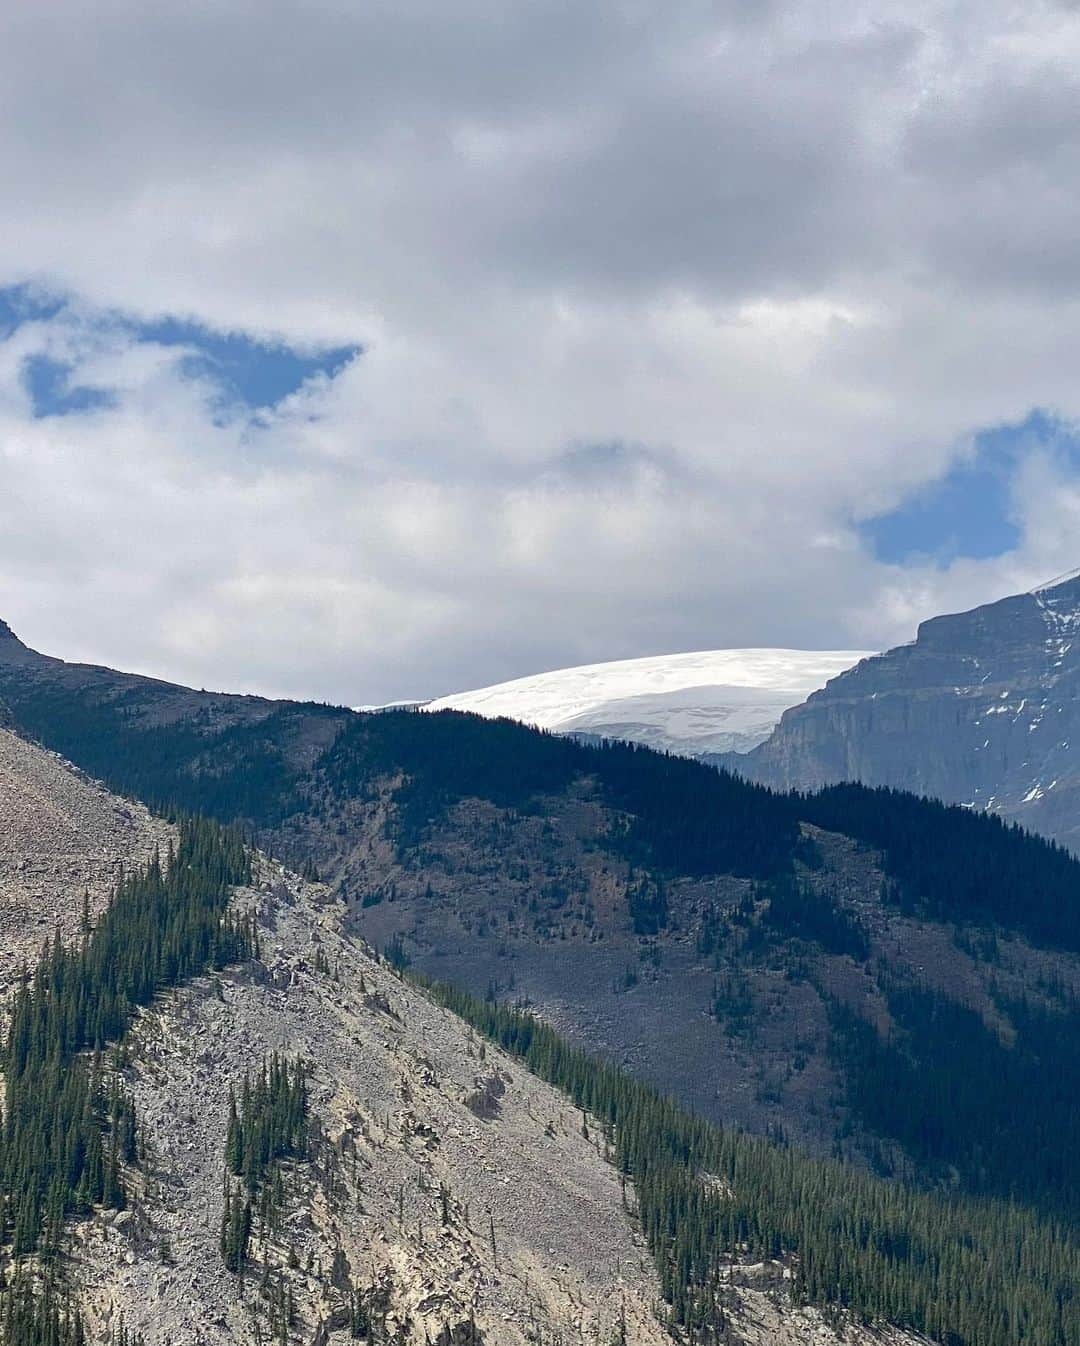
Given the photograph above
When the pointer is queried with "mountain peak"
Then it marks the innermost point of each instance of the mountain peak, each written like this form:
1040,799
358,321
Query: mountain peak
980,710
9,641
1069,577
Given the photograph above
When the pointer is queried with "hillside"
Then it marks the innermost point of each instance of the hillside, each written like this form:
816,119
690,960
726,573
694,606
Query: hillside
980,710
61,836
392,1085
419,1183
773,960
727,980
444,1189
711,701
154,736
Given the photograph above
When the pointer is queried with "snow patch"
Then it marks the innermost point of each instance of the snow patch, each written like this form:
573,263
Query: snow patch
702,702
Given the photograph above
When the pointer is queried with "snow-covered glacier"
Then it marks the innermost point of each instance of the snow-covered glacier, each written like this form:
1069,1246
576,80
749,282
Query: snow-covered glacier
709,701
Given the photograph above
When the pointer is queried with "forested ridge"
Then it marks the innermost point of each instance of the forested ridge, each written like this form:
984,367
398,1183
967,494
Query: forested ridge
985,1102
965,1272
675,815
197,764
951,863
68,1126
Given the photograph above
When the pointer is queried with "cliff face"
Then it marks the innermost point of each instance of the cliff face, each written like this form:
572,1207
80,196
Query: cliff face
983,709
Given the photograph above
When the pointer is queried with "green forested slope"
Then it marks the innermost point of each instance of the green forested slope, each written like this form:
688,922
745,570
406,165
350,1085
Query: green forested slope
987,1059
965,1272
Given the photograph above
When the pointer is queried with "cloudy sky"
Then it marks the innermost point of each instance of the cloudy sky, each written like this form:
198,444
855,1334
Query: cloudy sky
360,350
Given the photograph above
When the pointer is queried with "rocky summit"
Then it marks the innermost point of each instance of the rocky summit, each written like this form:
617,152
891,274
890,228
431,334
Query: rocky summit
981,709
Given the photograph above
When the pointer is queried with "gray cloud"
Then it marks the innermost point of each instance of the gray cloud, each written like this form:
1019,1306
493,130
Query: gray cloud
655,301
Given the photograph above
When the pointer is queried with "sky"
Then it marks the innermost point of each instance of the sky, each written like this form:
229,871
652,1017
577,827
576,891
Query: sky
363,352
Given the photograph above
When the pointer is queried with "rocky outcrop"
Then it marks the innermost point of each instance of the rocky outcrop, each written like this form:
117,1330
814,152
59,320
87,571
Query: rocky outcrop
62,835
508,1225
981,709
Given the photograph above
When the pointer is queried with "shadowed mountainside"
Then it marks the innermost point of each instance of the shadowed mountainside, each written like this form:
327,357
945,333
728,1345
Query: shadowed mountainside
775,960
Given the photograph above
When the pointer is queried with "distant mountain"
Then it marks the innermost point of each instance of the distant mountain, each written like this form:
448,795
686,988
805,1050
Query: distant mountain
981,709
711,701
776,961
288,1139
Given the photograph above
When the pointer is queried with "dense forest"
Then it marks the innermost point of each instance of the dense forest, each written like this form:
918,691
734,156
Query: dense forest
993,1111
966,1272
954,864
675,816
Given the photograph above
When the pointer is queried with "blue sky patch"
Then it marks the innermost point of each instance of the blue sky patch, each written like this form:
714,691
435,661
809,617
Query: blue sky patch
255,373
969,511
52,393
248,372
20,303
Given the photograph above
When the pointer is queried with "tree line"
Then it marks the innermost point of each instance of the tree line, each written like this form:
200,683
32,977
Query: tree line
964,1271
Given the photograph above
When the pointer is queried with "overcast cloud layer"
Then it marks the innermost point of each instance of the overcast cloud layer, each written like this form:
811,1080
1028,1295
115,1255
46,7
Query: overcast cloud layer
656,304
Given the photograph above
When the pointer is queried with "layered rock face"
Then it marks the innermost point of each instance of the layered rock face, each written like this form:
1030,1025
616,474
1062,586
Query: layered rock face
982,709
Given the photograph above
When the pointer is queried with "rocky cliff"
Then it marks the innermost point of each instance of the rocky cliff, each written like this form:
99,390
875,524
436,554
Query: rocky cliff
982,709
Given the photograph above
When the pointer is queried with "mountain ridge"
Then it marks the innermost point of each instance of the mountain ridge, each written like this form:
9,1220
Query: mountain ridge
446,1194
981,709
685,922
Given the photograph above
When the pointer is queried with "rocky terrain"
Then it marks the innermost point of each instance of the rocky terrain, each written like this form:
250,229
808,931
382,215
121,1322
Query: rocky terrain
537,909
982,709
458,1193
442,1173
62,835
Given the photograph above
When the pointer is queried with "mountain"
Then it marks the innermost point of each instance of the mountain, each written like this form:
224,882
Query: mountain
300,1144
709,702
396,1129
775,961
981,709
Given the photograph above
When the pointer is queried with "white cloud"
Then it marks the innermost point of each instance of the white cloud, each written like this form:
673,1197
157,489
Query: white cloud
655,301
